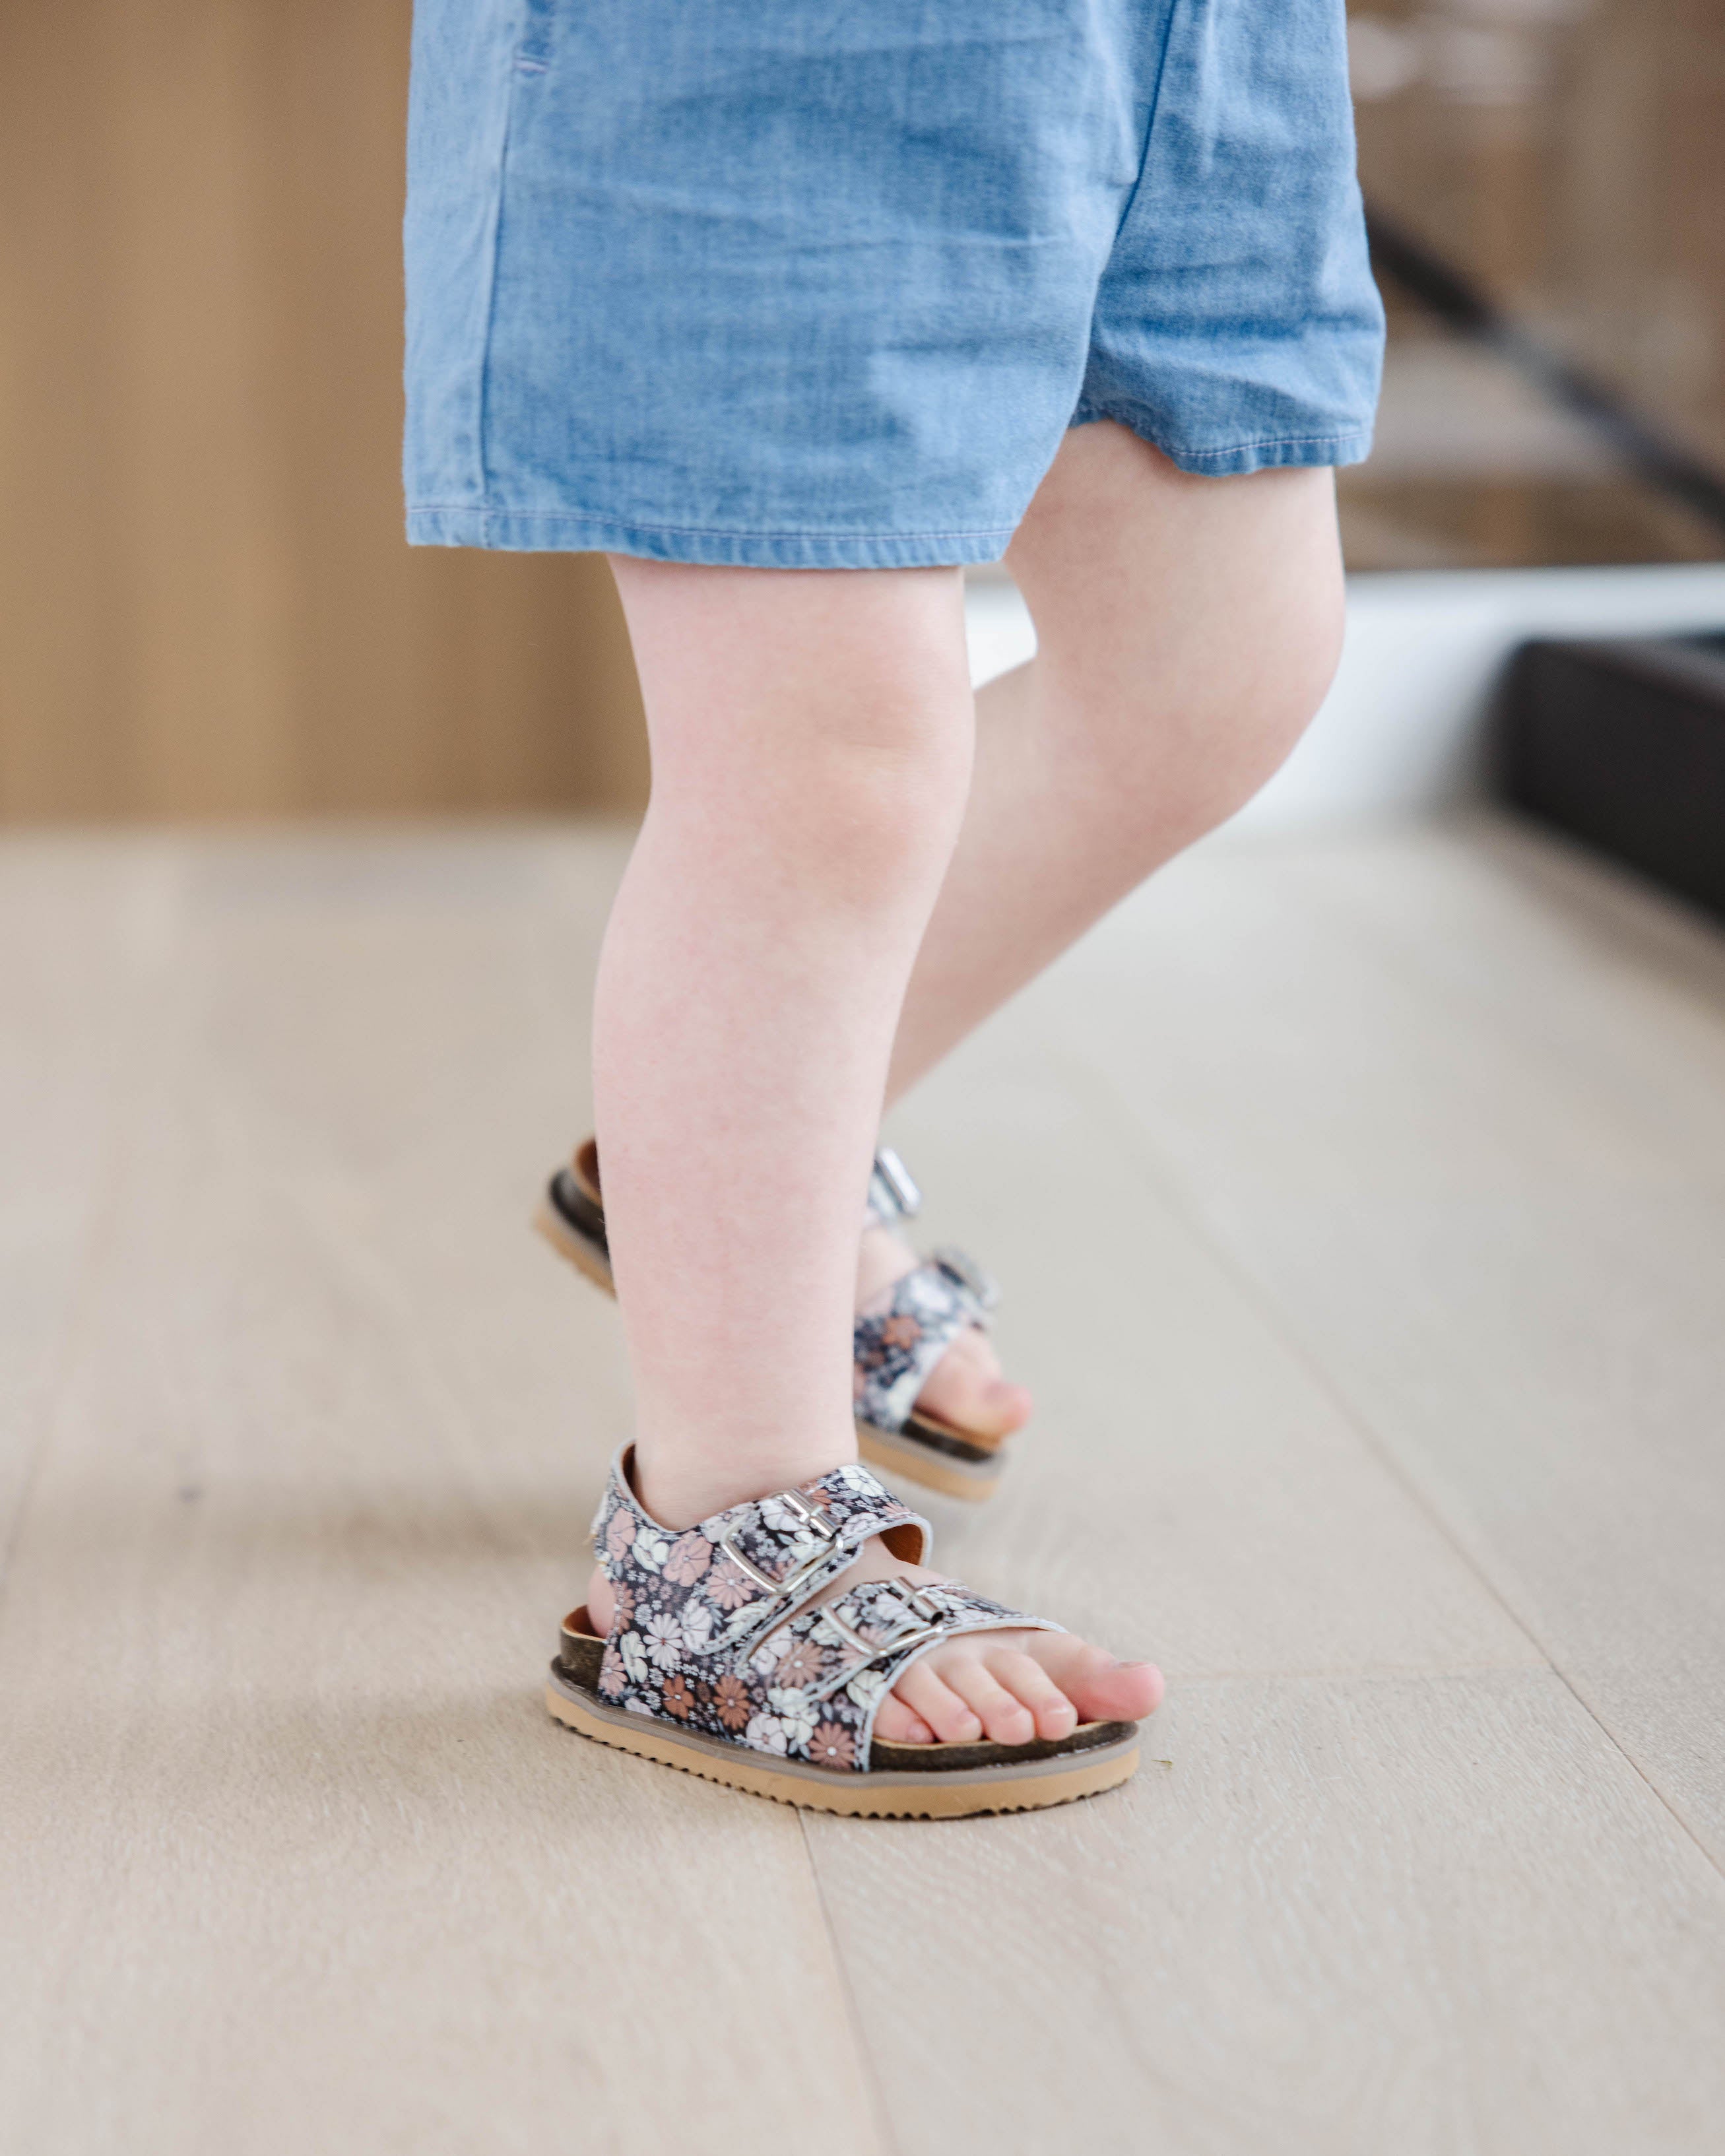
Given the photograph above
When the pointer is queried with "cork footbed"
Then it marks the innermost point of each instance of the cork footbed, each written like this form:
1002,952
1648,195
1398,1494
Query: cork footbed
904,1781
937,1453
908,1453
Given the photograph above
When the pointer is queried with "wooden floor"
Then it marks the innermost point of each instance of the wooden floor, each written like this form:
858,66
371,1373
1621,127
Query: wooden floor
1362,1208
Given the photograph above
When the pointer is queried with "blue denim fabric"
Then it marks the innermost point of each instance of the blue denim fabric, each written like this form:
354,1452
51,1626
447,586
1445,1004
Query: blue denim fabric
821,283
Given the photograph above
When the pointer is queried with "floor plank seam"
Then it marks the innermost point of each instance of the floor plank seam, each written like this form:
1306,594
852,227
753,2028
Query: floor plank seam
1282,1326
1535,1051
96,1242
884,2134
1355,1673
141,1005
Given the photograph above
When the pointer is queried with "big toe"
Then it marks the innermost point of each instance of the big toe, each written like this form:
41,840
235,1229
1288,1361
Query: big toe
965,1388
1103,1689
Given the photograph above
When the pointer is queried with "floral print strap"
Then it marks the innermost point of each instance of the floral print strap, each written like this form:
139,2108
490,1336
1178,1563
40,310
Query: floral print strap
826,1671
718,1587
697,1641
895,1348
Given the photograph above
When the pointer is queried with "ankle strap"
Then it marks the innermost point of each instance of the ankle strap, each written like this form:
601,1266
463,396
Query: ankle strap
896,1347
746,1568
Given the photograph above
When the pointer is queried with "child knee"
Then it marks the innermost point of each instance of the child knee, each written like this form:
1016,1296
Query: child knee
1177,761
866,807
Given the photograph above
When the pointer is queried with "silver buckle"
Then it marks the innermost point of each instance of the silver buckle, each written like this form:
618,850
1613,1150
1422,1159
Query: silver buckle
976,1281
900,1183
813,1517
924,1606
917,1604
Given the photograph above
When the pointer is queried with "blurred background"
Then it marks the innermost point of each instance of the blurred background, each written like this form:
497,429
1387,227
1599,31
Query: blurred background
1564,161
209,607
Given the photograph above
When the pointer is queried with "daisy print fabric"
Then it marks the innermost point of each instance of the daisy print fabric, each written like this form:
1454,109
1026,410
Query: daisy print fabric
894,1349
713,1629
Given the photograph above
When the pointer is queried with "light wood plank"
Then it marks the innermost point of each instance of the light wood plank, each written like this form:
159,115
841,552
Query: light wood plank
1454,1100
293,1861
1418,1914
1265,1038
1187,1490
1592,970
1551,1374
1268,1042
294,1858
82,936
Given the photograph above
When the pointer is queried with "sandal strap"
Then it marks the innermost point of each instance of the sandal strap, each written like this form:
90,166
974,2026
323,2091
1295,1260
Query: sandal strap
893,1195
812,1688
862,1642
821,1679
895,1349
719,1587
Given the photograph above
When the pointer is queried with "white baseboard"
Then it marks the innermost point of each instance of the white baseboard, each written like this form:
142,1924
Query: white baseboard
1402,729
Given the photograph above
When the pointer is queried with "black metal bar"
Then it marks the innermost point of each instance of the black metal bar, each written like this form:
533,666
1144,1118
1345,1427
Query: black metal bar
1621,743
1453,296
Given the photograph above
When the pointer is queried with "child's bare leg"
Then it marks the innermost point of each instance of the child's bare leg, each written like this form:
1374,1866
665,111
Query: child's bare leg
811,737
1187,630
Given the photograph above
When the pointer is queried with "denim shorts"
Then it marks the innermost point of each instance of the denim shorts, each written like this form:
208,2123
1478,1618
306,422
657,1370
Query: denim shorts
821,284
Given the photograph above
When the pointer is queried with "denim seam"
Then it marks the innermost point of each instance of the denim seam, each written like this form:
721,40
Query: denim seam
481,418
1122,416
1137,185
1176,7
1274,442
703,530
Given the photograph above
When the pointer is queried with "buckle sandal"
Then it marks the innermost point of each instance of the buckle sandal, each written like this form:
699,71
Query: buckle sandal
717,1664
896,1349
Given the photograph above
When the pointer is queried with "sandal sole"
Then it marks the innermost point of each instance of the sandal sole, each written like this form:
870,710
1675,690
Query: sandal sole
591,1263
954,1793
971,1481
920,1463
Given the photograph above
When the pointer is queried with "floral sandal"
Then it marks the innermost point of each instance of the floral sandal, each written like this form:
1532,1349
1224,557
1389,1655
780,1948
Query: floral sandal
718,1664
895,1347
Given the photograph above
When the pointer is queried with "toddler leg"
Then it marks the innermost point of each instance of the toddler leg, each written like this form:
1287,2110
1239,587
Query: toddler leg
811,740
811,736
1187,630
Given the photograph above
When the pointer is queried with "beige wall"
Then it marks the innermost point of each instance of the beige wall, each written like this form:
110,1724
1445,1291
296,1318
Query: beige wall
208,607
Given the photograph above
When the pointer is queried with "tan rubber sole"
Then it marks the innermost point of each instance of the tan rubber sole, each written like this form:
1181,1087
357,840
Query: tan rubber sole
550,1223
1036,1786
898,1455
920,1463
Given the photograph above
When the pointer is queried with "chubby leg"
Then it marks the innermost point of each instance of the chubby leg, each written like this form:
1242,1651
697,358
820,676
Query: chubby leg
1187,630
811,736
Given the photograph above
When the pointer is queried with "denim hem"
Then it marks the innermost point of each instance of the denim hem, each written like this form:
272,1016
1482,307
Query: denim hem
440,524
1352,447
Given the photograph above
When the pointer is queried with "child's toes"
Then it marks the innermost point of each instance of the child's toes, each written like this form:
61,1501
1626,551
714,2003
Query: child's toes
1005,1718
1035,1690
899,1724
929,1695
